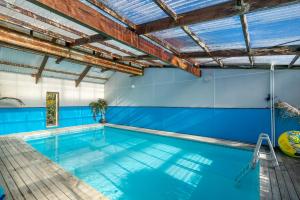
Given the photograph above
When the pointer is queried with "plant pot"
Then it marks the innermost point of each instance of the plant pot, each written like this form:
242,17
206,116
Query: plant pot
102,121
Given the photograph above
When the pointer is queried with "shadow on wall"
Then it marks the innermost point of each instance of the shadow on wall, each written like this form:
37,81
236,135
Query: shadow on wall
240,124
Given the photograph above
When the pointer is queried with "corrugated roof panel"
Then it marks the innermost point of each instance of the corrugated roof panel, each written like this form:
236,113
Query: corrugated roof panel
65,66
178,39
182,6
51,15
101,46
125,47
221,34
19,70
236,60
275,26
59,75
94,80
97,72
137,11
20,57
276,60
205,61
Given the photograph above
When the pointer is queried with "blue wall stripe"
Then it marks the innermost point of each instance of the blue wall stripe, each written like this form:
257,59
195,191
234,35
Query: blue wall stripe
240,124
14,120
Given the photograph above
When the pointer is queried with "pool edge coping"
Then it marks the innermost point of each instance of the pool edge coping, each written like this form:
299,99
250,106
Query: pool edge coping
209,140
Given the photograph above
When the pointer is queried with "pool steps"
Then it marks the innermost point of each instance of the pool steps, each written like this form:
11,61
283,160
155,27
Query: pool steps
256,156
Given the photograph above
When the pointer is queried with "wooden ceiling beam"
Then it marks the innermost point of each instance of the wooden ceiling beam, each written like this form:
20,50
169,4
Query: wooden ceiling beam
41,69
89,39
244,8
20,40
284,50
82,75
84,37
87,16
200,43
168,10
293,61
246,34
47,70
218,11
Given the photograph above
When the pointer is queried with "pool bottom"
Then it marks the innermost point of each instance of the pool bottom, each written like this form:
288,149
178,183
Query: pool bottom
124,164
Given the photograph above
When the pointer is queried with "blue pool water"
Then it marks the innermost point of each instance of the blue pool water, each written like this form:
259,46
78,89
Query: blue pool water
131,165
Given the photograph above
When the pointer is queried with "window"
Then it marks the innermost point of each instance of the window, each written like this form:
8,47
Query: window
52,109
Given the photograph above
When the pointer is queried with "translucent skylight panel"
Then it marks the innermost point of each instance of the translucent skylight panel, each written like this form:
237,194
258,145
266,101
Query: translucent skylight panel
204,61
276,60
137,11
236,60
20,70
276,26
65,66
59,75
97,72
93,80
106,48
178,39
125,47
182,6
20,57
221,34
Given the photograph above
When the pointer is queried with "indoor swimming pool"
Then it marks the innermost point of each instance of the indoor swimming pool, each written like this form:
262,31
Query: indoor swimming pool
131,165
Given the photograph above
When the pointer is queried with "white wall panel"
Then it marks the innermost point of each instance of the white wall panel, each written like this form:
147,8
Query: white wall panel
217,88
34,95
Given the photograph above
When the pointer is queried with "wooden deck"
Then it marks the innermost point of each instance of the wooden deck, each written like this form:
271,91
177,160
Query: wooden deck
282,182
26,174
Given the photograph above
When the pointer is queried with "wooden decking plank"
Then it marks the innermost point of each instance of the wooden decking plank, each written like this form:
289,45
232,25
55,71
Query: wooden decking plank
78,187
26,179
4,184
52,182
32,172
265,187
18,188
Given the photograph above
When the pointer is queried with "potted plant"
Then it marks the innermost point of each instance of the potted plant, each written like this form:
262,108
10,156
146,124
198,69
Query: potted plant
97,107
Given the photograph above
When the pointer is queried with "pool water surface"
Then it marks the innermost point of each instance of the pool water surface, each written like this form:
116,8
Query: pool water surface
129,165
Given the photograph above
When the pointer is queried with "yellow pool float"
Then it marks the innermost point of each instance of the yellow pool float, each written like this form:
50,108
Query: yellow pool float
289,143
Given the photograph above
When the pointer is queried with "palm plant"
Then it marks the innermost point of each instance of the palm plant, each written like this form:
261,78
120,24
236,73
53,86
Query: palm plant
97,107
19,101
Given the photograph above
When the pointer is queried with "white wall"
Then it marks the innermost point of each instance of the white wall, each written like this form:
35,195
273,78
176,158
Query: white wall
34,95
217,88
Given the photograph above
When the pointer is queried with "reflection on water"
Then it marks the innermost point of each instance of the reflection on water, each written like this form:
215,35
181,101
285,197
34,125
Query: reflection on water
133,166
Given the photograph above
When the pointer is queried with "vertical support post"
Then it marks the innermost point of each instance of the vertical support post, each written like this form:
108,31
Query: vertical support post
272,97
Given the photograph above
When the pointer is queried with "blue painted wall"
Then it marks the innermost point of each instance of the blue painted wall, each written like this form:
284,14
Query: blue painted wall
240,124
13,120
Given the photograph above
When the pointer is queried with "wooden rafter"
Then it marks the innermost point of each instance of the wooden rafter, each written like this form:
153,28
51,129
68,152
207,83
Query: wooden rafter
60,26
41,69
244,8
132,26
59,60
85,15
20,40
244,23
201,43
89,39
218,11
293,61
47,70
168,10
284,50
82,75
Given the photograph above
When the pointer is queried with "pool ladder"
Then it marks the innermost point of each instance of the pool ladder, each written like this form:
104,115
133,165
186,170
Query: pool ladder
256,156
